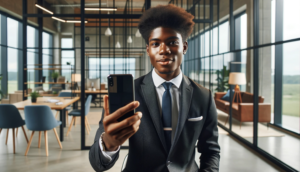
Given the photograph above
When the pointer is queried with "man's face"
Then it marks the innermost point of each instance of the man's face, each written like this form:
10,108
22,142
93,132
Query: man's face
166,49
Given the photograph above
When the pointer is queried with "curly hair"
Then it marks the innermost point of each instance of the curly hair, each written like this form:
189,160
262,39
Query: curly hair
168,16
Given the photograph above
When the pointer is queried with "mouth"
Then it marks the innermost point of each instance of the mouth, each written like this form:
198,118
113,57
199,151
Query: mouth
165,61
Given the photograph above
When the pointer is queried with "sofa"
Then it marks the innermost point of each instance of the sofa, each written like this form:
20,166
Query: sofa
243,112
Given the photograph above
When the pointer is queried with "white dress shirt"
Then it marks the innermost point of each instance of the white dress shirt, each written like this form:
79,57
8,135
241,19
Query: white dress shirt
175,94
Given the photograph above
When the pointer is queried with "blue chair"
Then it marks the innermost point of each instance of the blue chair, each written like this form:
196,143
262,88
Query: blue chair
11,118
77,113
40,118
65,94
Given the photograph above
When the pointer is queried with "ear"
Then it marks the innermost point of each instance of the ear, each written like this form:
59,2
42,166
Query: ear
185,47
147,48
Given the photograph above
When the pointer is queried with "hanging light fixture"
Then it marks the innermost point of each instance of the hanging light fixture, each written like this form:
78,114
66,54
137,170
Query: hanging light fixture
108,31
138,34
118,45
129,40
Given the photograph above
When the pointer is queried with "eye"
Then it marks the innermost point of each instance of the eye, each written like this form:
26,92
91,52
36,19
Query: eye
155,44
174,43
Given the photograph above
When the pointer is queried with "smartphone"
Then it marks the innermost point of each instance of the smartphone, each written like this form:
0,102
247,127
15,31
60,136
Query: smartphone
120,93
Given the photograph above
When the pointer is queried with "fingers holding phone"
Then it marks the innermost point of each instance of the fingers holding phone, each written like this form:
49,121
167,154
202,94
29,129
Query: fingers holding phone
120,120
116,133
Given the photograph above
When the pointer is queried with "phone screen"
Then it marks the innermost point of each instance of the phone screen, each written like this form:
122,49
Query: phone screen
120,93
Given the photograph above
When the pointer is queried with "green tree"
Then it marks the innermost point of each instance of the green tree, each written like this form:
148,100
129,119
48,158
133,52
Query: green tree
222,79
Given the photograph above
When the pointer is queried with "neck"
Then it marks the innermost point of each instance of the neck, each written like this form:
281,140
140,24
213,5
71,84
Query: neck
168,76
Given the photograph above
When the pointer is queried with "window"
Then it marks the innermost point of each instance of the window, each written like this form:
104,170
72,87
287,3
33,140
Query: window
32,54
67,56
12,54
47,58
224,37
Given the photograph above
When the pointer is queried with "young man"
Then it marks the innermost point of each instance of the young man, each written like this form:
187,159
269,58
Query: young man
173,112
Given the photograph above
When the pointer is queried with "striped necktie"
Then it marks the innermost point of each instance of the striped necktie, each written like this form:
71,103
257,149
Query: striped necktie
167,113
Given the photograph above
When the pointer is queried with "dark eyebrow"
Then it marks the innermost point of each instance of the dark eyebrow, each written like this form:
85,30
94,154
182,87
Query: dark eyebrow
172,37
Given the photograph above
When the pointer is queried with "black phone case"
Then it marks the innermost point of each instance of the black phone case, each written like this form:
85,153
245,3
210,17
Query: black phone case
120,92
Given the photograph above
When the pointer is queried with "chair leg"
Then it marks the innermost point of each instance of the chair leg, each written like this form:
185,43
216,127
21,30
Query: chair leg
28,145
87,121
46,142
57,138
17,132
0,130
14,140
25,134
40,135
86,128
73,119
56,115
67,117
7,136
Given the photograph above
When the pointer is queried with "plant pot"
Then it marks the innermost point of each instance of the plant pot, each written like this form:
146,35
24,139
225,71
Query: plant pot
33,100
55,79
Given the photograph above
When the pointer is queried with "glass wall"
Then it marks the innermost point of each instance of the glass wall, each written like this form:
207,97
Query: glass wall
67,57
12,54
47,58
32,54
278,72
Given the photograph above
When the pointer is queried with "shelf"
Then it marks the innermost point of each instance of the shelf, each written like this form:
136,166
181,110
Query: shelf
47,83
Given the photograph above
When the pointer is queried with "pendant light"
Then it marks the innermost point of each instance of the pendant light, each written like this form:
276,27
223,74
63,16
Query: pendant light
129,40
118,45
108,31
138,34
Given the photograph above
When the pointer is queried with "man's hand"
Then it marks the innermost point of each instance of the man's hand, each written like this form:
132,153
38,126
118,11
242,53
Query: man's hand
116,133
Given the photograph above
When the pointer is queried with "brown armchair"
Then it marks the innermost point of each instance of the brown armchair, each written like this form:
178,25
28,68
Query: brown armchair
243,112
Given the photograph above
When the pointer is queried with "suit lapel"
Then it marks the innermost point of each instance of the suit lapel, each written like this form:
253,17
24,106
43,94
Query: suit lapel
185,102
150,96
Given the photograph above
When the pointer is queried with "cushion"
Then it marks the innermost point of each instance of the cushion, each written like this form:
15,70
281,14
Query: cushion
226,97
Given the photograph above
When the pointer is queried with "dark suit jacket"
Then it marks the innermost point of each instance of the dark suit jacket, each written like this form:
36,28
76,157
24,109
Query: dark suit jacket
147,148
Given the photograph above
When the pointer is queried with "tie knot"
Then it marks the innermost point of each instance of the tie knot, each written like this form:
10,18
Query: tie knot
167,85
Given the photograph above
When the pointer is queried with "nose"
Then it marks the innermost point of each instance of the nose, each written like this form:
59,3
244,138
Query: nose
164,49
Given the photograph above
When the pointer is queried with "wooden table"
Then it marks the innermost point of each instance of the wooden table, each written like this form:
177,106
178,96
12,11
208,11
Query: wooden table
101,92
61,108
91,92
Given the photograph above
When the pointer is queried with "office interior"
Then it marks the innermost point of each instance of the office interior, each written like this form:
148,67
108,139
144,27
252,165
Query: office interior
245,49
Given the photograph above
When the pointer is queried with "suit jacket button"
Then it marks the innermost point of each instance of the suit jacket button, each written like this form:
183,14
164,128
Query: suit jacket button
168,163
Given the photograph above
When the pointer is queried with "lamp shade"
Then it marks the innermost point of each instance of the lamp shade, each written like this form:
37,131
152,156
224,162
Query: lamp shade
108,32
237,78
129,40
118,45
138,34
76,77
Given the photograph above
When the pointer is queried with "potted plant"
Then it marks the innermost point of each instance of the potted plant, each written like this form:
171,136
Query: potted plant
55,75
34,95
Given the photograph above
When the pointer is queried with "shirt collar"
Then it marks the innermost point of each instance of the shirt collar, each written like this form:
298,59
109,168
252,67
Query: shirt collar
159,80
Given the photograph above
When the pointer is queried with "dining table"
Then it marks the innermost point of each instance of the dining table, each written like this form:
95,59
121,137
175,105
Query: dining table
55,103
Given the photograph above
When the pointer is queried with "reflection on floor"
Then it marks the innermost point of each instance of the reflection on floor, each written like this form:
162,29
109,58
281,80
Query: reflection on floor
234,157
282,146
246,128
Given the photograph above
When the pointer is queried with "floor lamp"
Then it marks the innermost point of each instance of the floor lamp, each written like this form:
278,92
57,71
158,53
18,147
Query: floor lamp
237,78
76,77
